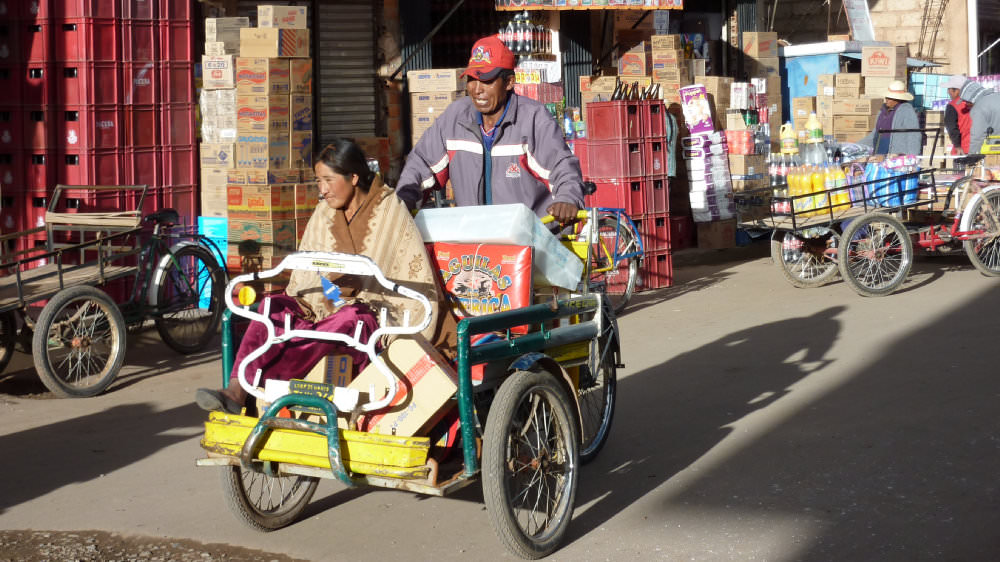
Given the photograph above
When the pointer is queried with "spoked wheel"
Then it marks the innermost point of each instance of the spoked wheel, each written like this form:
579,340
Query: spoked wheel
187,296
806,260
598,390
79,342
876,254
8,337
614,237
984,252
530,468
263,502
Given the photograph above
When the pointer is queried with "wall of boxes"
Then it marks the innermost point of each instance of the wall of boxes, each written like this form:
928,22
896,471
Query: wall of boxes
257,136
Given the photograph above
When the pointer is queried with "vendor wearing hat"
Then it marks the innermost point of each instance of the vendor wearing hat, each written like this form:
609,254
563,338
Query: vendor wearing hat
957,120
896,114
495,146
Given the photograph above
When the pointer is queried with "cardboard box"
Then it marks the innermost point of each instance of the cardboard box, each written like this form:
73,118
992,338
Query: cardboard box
262,151
432,103
747,164
225,31
261,202
634,64
373,147
426,385
859,106
217,155
847,93
300,76
876,86
300,112
213,201
218,73
824,106
251,176
337,370
716,234
675,74
214,177
825,84
301,149
850,123
282,17
668,56
763,67
851,137
698,67
850,80
734,120
760,44
306,198
262,76
884,62
436,80
257,114
218,49
274,43
802,107
273,234
666,42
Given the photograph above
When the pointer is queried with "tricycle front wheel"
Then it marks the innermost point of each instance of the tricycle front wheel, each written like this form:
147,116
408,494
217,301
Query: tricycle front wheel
264,502
876,254
984,253
530,464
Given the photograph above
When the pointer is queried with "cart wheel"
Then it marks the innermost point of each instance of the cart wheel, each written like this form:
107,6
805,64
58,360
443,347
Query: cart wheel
619,283
530,465
598,391
266,503
8,337
79,342
187,296
876,254
806,261
984,253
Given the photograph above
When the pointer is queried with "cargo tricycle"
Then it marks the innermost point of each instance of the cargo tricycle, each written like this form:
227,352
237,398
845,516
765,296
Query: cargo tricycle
527,410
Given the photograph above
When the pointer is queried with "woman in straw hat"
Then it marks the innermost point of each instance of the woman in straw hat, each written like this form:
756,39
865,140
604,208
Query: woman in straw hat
896,114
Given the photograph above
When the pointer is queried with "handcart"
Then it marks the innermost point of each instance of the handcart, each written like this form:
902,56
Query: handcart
867,230
84,257
541,406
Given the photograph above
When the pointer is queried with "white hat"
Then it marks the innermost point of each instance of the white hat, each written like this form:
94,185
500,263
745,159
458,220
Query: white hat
956,82
897,91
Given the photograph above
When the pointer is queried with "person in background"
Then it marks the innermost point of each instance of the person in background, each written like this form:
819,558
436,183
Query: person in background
495,146
957,121
985,114
356,214
896,113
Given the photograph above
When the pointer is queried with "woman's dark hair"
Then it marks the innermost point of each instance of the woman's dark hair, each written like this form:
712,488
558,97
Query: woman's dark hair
346,158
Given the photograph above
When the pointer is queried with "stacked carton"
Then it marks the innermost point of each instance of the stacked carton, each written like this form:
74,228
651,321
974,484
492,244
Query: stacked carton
257,134
852,113
431,91
671,68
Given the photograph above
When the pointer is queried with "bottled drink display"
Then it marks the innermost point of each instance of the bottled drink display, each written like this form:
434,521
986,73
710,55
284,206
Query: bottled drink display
527,34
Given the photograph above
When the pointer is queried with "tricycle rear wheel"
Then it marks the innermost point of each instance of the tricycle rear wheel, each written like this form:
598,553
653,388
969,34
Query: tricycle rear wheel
984,253
806,261
264,502
530,464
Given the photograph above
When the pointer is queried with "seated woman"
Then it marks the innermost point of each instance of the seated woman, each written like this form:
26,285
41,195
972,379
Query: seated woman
357,214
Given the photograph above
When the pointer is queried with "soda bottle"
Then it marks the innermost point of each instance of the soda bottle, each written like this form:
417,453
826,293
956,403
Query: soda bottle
820,199
509,34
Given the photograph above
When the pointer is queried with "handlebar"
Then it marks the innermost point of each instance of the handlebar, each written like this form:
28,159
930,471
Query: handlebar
581,214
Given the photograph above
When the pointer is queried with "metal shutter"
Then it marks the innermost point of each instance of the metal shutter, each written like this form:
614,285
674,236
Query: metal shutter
344,72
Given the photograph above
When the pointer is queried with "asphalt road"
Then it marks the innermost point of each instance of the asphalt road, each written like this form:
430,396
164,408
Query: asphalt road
755,421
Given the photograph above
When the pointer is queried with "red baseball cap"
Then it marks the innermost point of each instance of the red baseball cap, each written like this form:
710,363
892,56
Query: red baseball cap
489,57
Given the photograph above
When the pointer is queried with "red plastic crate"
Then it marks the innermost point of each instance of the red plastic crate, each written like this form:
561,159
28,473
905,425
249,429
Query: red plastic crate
654,155
177,125
39,127
658,193
144,167
612,120
141,83
176,82
39,169
151,202
139,41
10,41
12,164
653,118
88,83
617,278
88,40
36,40
37,85
180,165
637,202
11,84
12,212
610,193
614,158
90,167
176,41
580,151
11,130
85,8
174,9
657,270
141,126
654,230
139,9
32,206
12,10
184,200
681,232
90,127
85,200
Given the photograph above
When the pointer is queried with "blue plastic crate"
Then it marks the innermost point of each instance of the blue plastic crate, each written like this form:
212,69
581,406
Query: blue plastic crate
220,255
216,228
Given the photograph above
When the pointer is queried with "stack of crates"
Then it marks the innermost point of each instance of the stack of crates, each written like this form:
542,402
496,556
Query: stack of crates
625,155
95,93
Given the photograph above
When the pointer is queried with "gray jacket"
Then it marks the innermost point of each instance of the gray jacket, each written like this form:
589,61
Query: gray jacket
531,162
985,113
904,117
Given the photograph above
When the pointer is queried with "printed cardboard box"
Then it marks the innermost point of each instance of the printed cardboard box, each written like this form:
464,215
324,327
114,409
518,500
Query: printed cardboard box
436,80
261,202
306,199
268,234
884,62
262,114
300,76
262,151
282,17
217,155
213,200
857,106
825,84
432,103
426,384
262,76
760,44
218,72
274,43
666,42
225,31
300,149
301,110
747,164
214,177
243,176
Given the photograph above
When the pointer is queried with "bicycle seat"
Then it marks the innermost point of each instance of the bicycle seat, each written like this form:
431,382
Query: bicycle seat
164,217
970,160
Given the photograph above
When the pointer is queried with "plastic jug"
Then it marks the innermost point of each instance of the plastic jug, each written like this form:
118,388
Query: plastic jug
789,140
814,129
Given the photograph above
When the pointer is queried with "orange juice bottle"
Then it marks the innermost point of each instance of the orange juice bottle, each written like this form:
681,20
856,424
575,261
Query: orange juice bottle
796,190
819,188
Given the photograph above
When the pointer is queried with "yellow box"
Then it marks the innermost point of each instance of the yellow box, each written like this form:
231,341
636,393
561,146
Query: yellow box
262,202
274,43
262,76
436,80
